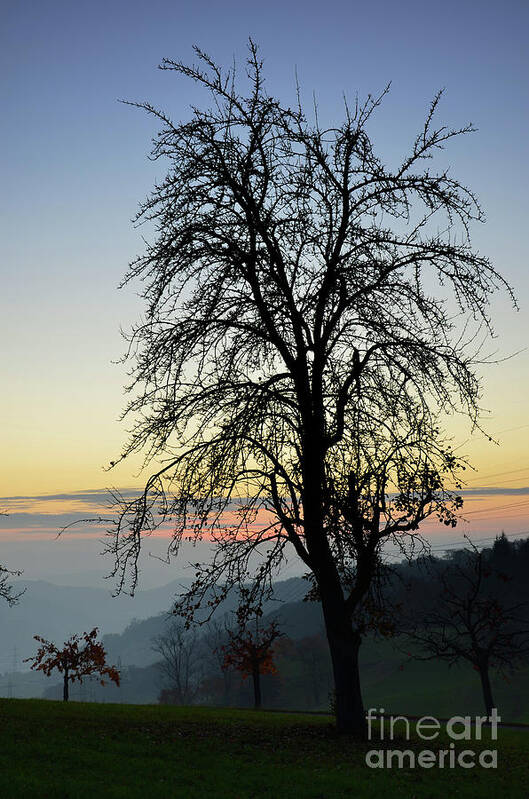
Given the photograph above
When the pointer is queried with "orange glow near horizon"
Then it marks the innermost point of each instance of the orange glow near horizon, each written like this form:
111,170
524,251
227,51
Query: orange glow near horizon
482,514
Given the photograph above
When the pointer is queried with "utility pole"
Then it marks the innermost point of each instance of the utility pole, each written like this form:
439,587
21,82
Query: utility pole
10,684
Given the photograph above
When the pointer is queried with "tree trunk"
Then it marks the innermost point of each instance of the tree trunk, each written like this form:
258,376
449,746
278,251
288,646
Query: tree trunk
344,643
256,687
344,646
486,687
65,687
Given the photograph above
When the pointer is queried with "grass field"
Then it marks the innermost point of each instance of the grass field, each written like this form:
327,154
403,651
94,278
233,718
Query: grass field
52,750
400,685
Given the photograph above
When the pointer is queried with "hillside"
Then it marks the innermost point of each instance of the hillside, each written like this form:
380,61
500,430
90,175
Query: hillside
390,679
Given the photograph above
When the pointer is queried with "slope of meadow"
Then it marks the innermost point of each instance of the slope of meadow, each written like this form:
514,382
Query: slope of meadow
52,750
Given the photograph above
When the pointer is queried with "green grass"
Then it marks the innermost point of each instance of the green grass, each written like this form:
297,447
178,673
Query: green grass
52,750
401,685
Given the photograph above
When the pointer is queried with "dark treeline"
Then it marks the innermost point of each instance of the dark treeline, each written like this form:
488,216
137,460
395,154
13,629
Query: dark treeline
504,557
412,590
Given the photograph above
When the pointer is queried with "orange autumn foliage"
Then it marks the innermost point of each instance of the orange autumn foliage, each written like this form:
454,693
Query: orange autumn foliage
81,656
250,652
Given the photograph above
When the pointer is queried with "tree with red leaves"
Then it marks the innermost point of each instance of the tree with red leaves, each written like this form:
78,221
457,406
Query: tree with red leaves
252,654
81,656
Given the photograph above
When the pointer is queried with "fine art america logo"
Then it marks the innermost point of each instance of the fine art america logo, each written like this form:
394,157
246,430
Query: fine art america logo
428,728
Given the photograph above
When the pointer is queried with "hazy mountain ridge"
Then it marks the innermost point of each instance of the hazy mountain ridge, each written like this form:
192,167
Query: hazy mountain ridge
56,612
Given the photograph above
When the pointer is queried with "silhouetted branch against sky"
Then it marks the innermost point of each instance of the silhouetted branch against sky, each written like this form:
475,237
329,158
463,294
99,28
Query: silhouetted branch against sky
7,591
310,315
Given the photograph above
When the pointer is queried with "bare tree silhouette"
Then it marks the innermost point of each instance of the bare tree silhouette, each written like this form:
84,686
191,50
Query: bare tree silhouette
474,617
180,663
309,314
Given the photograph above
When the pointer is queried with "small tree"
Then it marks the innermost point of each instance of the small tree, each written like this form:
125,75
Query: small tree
81,656
178,649
252,654
473,617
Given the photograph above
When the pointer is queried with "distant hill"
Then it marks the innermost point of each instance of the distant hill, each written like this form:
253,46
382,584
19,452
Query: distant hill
304,681
56,612
390,678
133,646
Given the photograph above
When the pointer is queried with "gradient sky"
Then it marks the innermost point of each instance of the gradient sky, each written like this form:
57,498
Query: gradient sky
74,168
